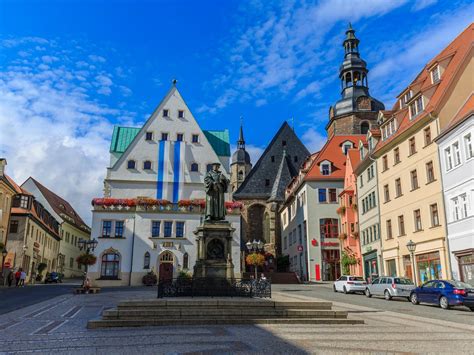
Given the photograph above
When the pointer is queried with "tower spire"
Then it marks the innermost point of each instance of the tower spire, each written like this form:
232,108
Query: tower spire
241,141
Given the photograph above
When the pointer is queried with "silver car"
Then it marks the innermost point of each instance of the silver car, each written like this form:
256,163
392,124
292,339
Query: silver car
390,287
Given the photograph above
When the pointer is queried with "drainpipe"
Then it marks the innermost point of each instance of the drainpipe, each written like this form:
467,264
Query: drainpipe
133,244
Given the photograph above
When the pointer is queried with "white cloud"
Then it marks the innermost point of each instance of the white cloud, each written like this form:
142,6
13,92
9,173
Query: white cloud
49,59
422,4
96,58
125,90
104,83
313,140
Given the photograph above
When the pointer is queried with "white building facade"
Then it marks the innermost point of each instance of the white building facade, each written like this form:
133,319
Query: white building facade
154,197
456,151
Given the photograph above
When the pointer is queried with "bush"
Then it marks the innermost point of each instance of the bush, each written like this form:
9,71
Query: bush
184,276
150,279
86,259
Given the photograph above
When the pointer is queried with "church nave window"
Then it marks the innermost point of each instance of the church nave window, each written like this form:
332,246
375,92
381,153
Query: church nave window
146,261
149,136
166,113
131,164
147,165
185,261
194,167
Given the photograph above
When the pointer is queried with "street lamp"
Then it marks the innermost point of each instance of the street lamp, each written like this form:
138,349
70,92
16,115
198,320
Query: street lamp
89,246
411,246
254,247
4,255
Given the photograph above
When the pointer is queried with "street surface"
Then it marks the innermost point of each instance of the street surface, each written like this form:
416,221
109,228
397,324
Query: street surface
58,325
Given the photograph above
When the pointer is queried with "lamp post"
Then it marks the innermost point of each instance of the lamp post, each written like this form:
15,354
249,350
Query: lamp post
88,246
411,246
4,255
254,247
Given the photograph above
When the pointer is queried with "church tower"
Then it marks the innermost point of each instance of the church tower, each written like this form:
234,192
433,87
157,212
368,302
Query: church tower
356,112
240,166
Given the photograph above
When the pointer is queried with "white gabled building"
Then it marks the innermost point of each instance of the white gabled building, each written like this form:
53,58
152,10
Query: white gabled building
154,196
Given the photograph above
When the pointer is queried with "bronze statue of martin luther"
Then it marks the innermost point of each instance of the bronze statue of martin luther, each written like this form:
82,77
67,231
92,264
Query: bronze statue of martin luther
216,185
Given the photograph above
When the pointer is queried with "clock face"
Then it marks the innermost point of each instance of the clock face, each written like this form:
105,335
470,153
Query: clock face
363,103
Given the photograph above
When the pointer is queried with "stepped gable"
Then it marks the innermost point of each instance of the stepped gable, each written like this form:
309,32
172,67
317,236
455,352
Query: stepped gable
333,152
456,54
268,167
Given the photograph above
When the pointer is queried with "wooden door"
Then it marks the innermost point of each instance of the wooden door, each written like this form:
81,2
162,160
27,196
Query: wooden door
166,272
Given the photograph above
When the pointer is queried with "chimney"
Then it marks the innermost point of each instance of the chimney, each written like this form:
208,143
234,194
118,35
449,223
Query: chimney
3,163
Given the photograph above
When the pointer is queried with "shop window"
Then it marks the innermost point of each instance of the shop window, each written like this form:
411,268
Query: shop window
429,267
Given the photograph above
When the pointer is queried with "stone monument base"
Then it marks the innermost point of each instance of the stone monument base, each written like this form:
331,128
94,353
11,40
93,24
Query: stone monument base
214,250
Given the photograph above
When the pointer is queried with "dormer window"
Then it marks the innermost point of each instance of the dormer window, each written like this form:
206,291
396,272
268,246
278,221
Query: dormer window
24,201
389,129
407,97
149,136
131,164
346,146
416,107
166,113
435,75
325,168
361,152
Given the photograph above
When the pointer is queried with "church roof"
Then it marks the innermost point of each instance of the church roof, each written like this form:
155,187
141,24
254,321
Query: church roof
274,170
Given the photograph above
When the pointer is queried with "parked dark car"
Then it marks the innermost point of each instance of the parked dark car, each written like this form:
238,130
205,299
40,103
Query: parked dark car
444,293
53,277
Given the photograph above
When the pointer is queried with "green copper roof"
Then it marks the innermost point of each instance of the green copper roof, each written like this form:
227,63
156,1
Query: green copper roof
219,141
121,138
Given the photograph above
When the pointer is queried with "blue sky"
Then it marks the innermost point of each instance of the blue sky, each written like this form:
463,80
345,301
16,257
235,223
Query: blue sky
70,70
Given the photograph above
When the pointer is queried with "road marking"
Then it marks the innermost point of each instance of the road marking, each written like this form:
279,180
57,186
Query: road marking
48,328
43,309
8,324
72,312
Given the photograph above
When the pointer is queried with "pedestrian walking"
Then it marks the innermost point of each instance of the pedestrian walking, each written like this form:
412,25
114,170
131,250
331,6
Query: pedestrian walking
10,278
22,278
17,277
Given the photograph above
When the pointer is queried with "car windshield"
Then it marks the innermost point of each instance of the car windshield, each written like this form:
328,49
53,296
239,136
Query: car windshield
400,281
356,278
459,284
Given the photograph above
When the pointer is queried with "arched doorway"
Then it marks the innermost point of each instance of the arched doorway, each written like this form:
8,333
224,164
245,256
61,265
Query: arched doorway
364,127
166,266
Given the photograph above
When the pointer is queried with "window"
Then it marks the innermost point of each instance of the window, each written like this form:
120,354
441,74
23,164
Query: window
147,165
322,195
361,181
194,167
146,261
401,225
389,229
24,201
295,159
456,208
384,163
71,262
131,164
398,187
328,227
414,180
346,147
285,242
416,107
412,146
435,75
456,154
118,229
463,199
283,143
185,261
417,217
386,193
180,113
396,156
430,172
370,172
13,226
407,97
468,146
325,169
168,229
155,229
149,136
166,113
427,135
267,182
110,266
106,230
195,138
179,229
300,235
179,137
332,195
164,136
449,158
434,215
272,158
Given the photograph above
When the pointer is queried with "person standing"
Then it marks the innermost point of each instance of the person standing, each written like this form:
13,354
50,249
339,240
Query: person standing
22,278
17,277
10,278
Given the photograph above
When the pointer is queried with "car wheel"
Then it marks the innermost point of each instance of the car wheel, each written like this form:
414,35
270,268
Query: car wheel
387,295
414,298
334,288
367,293
345,290
444,303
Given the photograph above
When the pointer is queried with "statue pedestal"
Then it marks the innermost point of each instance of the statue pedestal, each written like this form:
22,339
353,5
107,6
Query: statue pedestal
214,250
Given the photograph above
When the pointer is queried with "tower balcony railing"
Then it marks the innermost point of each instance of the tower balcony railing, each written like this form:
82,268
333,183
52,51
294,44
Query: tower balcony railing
140,204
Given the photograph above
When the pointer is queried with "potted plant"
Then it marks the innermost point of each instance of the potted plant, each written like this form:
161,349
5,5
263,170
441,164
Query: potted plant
150,279
346,262
86,259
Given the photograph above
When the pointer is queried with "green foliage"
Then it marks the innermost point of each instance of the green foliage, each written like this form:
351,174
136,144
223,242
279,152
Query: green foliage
283,263
346,262
86,259
183,275
150,279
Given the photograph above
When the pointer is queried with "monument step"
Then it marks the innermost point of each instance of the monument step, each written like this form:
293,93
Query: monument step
113,323
222,313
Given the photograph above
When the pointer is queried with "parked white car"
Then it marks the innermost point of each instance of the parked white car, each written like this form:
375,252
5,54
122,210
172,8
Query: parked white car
390,287
350,284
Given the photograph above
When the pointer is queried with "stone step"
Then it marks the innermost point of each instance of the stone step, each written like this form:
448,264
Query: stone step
221,313
113,323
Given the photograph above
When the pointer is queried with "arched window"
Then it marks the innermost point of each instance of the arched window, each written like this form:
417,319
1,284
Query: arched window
146,261
348,79
131,164
194,167
147,165
110,266
166,257
364,127
185,261
357,78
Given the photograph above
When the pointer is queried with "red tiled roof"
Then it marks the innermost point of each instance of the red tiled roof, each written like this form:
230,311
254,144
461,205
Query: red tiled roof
332,151
15,186
458,50
354,157
34,213
61,207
